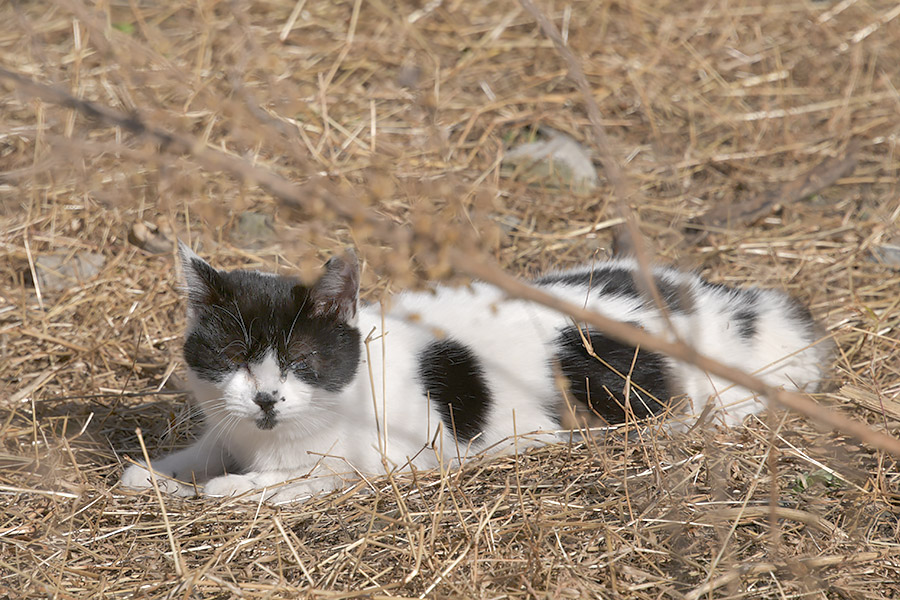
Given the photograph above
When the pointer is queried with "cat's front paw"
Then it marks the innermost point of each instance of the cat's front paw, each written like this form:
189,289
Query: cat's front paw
266,487
138,477
294,492
229,485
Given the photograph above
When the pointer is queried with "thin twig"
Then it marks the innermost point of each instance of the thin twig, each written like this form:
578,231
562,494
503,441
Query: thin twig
176,550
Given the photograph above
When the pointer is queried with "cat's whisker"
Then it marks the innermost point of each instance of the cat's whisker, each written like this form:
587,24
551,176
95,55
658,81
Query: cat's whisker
221,428
240,319
290,332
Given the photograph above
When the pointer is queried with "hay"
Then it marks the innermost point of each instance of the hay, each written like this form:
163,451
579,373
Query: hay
407,108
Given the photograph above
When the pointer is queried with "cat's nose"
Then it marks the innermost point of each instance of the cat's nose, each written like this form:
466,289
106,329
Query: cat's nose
265,401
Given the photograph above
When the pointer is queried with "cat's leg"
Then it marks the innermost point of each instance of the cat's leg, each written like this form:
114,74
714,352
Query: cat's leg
178,472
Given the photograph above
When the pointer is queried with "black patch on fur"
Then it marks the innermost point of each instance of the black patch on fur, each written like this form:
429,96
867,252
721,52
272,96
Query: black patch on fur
799,313
454,381
600,384
745,319
240,316
740,306
718,287
620,281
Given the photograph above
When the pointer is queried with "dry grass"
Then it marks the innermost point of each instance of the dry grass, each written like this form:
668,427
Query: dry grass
407,110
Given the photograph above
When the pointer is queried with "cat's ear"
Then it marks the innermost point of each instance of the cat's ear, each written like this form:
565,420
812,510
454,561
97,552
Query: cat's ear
336,294
203,285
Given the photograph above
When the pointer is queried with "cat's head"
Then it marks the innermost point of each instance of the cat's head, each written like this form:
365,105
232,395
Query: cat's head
266,347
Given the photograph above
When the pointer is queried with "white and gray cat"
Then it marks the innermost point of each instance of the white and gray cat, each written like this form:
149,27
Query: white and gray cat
304,389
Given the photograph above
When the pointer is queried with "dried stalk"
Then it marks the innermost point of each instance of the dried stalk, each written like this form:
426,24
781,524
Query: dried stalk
464,262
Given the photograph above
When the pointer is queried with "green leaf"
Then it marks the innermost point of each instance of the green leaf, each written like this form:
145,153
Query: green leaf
124,27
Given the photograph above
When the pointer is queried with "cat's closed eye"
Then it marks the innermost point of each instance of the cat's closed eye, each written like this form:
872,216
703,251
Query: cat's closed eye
301,357
236,354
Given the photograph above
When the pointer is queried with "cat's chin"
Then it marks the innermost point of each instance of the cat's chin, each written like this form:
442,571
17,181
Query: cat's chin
267,422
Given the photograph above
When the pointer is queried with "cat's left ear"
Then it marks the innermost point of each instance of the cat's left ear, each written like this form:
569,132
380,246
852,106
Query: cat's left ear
203,285
336,294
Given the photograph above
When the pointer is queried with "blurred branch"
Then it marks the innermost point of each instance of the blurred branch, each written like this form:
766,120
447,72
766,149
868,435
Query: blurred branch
470,263
291,194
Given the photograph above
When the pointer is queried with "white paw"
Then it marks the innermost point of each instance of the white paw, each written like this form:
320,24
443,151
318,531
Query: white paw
229,485
264,487
292,492
138,477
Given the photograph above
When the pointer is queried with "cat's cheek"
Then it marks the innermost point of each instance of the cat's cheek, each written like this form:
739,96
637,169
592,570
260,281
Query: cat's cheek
297,395
238,393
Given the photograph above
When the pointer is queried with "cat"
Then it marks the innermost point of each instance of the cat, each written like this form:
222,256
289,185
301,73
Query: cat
304,389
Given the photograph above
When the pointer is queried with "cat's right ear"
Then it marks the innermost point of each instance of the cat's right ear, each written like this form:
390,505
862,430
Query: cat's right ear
336,294
203,285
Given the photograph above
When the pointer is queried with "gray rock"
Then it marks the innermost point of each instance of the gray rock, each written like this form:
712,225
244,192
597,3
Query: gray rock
63,270
888,255
253,230
556,161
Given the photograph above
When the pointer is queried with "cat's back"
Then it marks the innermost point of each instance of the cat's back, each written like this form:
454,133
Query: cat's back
501,327
475,341
478,315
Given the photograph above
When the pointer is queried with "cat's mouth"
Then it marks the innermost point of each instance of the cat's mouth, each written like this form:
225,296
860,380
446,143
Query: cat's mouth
267,420
266,403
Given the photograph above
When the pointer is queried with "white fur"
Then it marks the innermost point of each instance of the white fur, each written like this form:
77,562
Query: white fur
382,421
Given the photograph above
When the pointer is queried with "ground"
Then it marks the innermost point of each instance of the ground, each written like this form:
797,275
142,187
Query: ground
757,143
